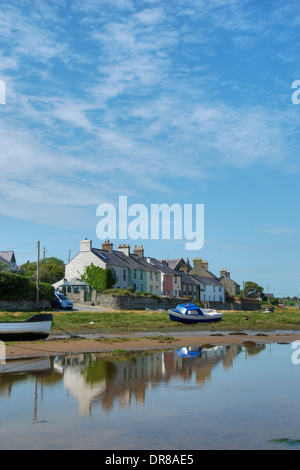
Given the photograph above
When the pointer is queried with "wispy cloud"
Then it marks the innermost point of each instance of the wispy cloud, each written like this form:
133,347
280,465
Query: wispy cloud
109,96
278,229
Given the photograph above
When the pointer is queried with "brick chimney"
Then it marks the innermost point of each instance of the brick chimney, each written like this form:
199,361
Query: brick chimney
124,249
205,264
86,245
198,262
107,246
139,251
225,272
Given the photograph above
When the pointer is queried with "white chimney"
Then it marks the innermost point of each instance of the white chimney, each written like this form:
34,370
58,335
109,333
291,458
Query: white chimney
86,245
124,249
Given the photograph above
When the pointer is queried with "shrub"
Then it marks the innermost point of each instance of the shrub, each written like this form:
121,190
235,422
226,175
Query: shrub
16,287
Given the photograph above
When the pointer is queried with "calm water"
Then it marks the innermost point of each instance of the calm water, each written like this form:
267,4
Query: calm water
222,398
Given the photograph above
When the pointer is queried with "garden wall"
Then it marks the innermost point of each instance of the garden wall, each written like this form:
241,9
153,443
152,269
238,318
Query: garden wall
124,302
246,304
23,305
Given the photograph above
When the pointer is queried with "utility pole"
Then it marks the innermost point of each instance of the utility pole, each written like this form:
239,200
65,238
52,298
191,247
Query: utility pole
44,252
37,274
69,255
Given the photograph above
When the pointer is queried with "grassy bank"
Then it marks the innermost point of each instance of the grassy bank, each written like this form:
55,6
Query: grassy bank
143,321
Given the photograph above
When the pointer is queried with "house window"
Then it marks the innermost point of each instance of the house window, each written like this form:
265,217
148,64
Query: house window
134,274
141,289
151,275
156,276
141,276
166,278
124,274
175,278
151,289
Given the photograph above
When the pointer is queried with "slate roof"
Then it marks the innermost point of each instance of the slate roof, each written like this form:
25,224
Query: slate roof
75,282
202,272
172,263
8,256
209,281
163,268
187,279
229,279
116,258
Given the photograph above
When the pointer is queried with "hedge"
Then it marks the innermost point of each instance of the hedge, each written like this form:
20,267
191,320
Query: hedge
16,287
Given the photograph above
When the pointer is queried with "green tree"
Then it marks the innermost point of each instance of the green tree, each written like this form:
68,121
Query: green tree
100,279
251,289
51,270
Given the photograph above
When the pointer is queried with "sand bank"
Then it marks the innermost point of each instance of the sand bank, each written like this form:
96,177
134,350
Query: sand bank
132,342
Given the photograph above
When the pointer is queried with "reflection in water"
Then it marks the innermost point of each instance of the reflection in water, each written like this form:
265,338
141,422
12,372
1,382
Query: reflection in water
233,396
92,378
105,378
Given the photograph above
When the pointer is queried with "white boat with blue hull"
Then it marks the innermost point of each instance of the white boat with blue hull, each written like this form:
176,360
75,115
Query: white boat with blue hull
36,327
191,313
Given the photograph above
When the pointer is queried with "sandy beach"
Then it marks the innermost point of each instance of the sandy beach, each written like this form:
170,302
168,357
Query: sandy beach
55,345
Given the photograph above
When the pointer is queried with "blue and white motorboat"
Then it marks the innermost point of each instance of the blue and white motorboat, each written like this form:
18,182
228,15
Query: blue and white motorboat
191,313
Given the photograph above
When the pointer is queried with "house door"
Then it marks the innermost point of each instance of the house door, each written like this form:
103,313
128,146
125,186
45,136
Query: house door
88,296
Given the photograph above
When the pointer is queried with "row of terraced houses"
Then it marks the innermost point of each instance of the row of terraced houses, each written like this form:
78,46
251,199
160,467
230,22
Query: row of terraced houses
169,277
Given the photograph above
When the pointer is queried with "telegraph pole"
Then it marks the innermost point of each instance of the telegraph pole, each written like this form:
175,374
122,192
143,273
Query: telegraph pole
37,274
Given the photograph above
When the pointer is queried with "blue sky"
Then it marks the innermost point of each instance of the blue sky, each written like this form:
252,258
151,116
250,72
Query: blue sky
179,101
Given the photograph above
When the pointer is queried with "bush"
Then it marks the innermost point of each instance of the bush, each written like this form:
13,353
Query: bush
16,287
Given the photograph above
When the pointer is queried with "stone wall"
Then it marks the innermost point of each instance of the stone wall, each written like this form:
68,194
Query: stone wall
23,305
246,304
123,302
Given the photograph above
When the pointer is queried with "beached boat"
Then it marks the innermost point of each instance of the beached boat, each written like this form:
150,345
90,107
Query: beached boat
191,313
35,327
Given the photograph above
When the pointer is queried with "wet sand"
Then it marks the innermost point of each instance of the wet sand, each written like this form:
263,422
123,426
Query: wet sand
55,345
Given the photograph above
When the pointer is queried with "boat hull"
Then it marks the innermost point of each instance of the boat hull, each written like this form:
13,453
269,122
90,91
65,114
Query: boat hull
184,318
36,327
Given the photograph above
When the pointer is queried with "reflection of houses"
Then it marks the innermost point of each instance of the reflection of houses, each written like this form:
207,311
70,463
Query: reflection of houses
96,378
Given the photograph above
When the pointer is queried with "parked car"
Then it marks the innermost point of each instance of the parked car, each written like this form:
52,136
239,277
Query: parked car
61,301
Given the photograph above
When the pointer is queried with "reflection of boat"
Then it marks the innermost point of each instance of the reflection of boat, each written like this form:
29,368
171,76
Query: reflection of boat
189,352
191,313
36,327
28,366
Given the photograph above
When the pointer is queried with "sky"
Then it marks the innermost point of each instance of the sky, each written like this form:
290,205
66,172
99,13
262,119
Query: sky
164,102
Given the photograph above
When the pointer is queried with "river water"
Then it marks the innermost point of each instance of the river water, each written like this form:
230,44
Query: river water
226,397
